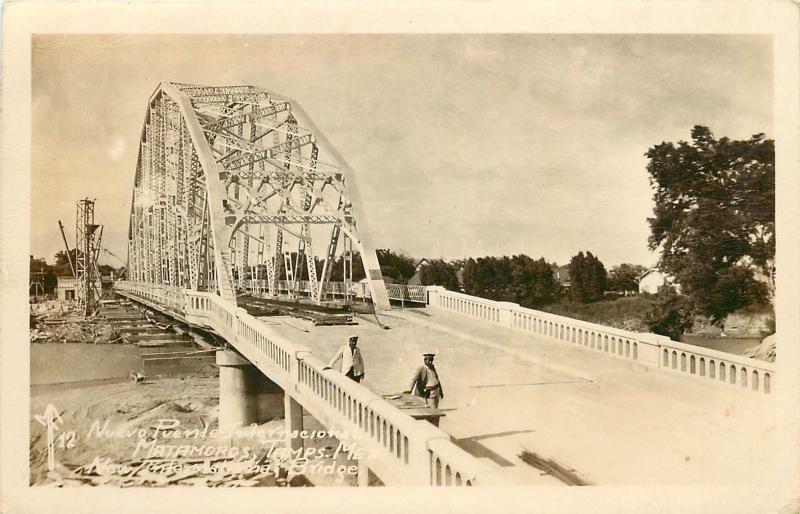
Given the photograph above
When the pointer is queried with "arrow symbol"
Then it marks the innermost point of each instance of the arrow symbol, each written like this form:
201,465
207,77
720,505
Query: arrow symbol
49,419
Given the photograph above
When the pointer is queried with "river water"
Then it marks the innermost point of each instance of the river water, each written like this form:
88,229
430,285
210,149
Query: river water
735,345
68,365
58,363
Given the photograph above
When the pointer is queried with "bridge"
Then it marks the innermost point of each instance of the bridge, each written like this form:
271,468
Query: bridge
234,188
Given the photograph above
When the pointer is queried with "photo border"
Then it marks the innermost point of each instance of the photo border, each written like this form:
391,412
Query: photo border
22,19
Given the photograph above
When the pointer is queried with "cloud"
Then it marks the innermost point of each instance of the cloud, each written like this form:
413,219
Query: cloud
117,148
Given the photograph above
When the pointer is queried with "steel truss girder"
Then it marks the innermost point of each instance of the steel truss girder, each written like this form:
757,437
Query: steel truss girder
269,153
248,117
285,219
252,97
194,210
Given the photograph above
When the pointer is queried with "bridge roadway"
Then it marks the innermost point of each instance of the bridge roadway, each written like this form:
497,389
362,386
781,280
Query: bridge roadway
638,409
614,421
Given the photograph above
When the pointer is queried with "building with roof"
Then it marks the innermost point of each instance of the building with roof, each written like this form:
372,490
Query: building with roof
67,288
654,281
416,280
561,274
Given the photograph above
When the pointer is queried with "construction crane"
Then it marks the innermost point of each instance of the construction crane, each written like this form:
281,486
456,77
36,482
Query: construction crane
112,254
88,239
66,245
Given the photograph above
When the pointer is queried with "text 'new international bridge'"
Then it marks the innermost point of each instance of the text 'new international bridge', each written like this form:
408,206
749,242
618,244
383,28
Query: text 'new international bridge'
239,199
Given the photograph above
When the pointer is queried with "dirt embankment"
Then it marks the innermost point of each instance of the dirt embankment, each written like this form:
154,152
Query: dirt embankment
164,433
54,321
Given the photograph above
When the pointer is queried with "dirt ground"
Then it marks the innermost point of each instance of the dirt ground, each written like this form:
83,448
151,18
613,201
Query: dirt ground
165,433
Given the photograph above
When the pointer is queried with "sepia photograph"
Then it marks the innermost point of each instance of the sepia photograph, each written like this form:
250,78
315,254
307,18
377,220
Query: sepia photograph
348,259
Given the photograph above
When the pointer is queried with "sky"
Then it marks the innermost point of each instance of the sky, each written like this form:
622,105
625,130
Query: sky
461,145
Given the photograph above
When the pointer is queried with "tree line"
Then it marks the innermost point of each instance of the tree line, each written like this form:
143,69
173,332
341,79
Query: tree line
520,278
713,224
47,274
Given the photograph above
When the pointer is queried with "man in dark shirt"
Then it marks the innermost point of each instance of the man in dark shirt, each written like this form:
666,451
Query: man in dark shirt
425,383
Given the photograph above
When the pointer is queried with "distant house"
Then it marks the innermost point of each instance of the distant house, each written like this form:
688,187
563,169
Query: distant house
562,275
655,280
67,286
416,280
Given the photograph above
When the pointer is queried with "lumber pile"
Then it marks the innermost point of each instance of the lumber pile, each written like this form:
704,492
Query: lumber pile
552,468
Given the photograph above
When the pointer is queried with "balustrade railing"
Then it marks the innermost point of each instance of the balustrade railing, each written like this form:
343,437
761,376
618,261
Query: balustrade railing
409,451
646,348
712,365
401,292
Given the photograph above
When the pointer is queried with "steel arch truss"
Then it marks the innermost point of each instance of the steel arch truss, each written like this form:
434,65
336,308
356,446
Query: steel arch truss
235,189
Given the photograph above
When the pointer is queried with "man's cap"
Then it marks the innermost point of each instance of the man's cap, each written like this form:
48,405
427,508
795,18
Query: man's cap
429,353
353,337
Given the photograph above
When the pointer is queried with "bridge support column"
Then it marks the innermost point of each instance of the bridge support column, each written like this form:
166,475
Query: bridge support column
293,416
246,396
363,473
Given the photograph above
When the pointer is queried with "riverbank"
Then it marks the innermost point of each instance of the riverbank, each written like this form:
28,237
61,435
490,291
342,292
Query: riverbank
742,331
164,432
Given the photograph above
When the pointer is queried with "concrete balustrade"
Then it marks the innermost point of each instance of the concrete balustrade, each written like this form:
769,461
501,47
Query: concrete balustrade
452,466
196,308
648,349
398,449
393,443
721,367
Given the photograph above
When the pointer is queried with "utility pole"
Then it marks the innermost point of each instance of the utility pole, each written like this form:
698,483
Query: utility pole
37,283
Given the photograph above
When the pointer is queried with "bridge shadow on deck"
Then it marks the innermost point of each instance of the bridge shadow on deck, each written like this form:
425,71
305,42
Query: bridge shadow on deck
476,449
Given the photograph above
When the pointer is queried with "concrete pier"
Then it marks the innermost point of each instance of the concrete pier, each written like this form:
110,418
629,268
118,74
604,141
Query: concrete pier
246,396
363,473
293,415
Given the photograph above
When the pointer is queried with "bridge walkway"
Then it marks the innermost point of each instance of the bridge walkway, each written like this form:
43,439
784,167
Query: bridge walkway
615,421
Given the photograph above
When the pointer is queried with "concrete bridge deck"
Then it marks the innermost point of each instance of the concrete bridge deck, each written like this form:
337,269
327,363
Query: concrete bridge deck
615,422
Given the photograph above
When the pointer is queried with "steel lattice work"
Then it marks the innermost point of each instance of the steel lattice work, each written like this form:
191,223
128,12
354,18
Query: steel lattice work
88,237
235,188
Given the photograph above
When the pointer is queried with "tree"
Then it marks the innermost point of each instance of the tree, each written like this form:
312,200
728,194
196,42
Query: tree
534,282
440,273
43,273
62,266
337,269
489,277
625,277
671,315
714,218
588,278
61,257
399,266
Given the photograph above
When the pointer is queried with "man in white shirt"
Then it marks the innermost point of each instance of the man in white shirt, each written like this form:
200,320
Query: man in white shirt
352,362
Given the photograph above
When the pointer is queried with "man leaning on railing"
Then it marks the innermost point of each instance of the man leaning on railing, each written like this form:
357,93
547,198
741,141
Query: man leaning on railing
351,360
425,383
